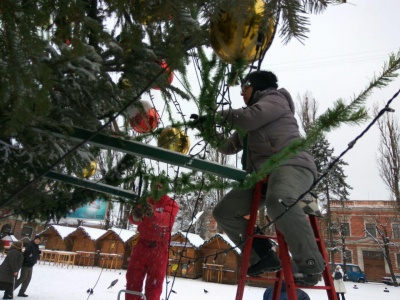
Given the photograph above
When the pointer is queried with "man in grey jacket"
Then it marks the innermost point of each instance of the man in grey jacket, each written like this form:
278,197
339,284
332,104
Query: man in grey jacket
266,126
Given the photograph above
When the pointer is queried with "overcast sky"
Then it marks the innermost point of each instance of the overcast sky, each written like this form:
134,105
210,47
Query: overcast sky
346,46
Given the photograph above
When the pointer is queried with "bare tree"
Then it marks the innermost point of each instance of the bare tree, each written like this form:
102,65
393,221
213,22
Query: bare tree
307,110
382,236
389,154
201,202
333,185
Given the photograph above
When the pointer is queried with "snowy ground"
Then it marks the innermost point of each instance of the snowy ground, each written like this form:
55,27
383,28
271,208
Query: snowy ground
52,282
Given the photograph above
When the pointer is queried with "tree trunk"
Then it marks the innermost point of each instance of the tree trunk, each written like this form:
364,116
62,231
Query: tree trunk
389,260
329,220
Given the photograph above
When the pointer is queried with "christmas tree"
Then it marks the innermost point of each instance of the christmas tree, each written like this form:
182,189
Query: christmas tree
88,64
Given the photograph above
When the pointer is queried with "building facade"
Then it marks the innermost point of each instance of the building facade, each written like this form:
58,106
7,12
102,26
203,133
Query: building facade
367,230
21,229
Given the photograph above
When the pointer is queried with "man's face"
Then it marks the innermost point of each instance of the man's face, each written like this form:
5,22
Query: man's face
37,241
246,92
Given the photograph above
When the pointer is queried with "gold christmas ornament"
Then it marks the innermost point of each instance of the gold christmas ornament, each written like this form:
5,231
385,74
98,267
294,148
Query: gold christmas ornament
174,139
90,170
235,39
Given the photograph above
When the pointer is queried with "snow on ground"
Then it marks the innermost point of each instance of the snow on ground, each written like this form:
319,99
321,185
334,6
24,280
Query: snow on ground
52,282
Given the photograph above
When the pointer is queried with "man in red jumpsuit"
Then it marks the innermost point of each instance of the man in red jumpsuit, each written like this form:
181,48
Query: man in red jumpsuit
150,255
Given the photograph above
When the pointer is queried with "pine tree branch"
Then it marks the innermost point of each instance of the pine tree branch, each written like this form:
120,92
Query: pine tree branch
295,23
387,75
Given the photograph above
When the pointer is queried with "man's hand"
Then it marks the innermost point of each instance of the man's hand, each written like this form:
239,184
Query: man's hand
148,211
198,122
137,213
142,210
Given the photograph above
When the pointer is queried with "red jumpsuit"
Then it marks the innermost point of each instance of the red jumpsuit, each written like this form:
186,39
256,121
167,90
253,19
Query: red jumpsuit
150,255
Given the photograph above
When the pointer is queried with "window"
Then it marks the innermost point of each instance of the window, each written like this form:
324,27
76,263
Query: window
345,227
376,255
370,227
396,231
6,229
398,259
27,232
355,269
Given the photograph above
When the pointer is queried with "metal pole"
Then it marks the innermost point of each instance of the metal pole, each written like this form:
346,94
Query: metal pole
12,293
132,293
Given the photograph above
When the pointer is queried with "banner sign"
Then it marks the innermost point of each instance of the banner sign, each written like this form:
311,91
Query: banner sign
95,210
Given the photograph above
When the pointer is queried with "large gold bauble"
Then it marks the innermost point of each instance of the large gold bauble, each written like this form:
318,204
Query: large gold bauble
90,170
174,139
236,40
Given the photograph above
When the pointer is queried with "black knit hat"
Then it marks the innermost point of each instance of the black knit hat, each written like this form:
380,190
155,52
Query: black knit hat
37,237
261,80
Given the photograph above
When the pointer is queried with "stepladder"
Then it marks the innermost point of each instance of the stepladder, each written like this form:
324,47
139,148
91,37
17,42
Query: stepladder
284,276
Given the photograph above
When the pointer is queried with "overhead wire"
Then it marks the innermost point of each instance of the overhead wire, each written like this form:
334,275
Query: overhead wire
307,63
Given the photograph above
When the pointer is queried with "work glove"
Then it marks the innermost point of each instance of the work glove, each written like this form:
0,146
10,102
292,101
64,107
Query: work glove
198,122
140,211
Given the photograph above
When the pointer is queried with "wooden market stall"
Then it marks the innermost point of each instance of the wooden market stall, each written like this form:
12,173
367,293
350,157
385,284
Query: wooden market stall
185,255
55,237
130,243
85,243
220,264
113,248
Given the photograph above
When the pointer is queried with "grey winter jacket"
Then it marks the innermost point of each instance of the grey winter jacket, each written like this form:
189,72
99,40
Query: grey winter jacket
270,126
11,264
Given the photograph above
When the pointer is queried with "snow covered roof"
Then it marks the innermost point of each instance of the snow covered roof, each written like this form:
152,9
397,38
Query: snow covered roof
124,234
194,239
93,233
10,238
226,239
63,231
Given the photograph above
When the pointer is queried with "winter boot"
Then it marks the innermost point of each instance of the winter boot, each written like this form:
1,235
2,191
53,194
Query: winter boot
8,295
269,261
302,279
22,294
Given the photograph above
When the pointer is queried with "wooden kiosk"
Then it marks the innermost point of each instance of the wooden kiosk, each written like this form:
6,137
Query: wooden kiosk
55,237
84,242
189,264
113,248
220,264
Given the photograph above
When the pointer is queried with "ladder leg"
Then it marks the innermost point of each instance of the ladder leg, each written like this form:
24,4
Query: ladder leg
278,285
330,288
286,270
248,242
